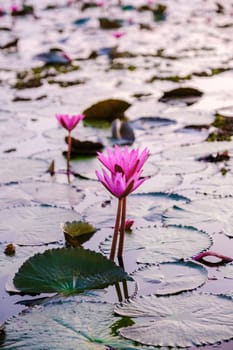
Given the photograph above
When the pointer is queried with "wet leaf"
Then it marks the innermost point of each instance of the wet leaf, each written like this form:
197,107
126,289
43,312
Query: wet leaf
163,244
212,216
184,95
16,170
192,319
85,148
170,278
34,225
78,232
106,110
67,271
84,325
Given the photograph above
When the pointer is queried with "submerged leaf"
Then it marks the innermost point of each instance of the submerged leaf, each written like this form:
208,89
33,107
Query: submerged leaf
67,271
182,321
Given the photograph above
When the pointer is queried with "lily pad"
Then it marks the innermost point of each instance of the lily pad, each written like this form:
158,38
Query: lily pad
211,215
228,271
34,225
43,192
84,325
192,319
85,148
67,271
142,208
78,232
148,123
18,169
186,95
170,278
163,244
106,110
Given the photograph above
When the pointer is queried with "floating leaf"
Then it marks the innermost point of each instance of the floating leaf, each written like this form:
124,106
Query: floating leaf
170,278
163,244
213,216
107,110
84,325
43,192
182,320
140,207
15,170
78,232
67,271
227,271
148,123
106,23
33,225
86,148
185,95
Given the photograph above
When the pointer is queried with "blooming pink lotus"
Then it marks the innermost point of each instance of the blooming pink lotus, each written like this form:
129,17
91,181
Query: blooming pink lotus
117,183
69,122
125,176
124,161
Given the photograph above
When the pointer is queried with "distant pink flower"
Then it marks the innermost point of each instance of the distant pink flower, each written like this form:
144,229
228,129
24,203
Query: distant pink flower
124,161
69,122
118,185
14,8
100,3
118,35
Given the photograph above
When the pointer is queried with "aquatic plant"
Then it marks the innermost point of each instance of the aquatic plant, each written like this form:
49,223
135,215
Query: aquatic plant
125,176
69,123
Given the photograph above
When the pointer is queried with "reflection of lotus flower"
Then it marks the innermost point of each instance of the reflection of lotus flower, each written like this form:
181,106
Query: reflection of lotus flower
125,176
69,123
100,3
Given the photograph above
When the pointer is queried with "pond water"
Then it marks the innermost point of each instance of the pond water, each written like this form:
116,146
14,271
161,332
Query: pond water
183,45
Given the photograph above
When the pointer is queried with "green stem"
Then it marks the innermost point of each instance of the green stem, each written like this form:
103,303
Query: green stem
116,230
122,229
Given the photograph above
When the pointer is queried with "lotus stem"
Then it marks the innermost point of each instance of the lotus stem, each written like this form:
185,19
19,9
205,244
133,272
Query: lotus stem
122,228
116,230
68,155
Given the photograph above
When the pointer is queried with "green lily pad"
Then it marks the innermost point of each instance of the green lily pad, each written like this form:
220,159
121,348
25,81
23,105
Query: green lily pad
11,263
15,170
163,244
185,95
106,110
67,271
182,320
34,225
84,325
78,232
211,215
170,278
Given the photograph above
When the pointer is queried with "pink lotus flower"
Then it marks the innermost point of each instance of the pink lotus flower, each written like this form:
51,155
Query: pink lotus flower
100,3
14,8
69,122
124,161
118,35
128,224
117,183
125,176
